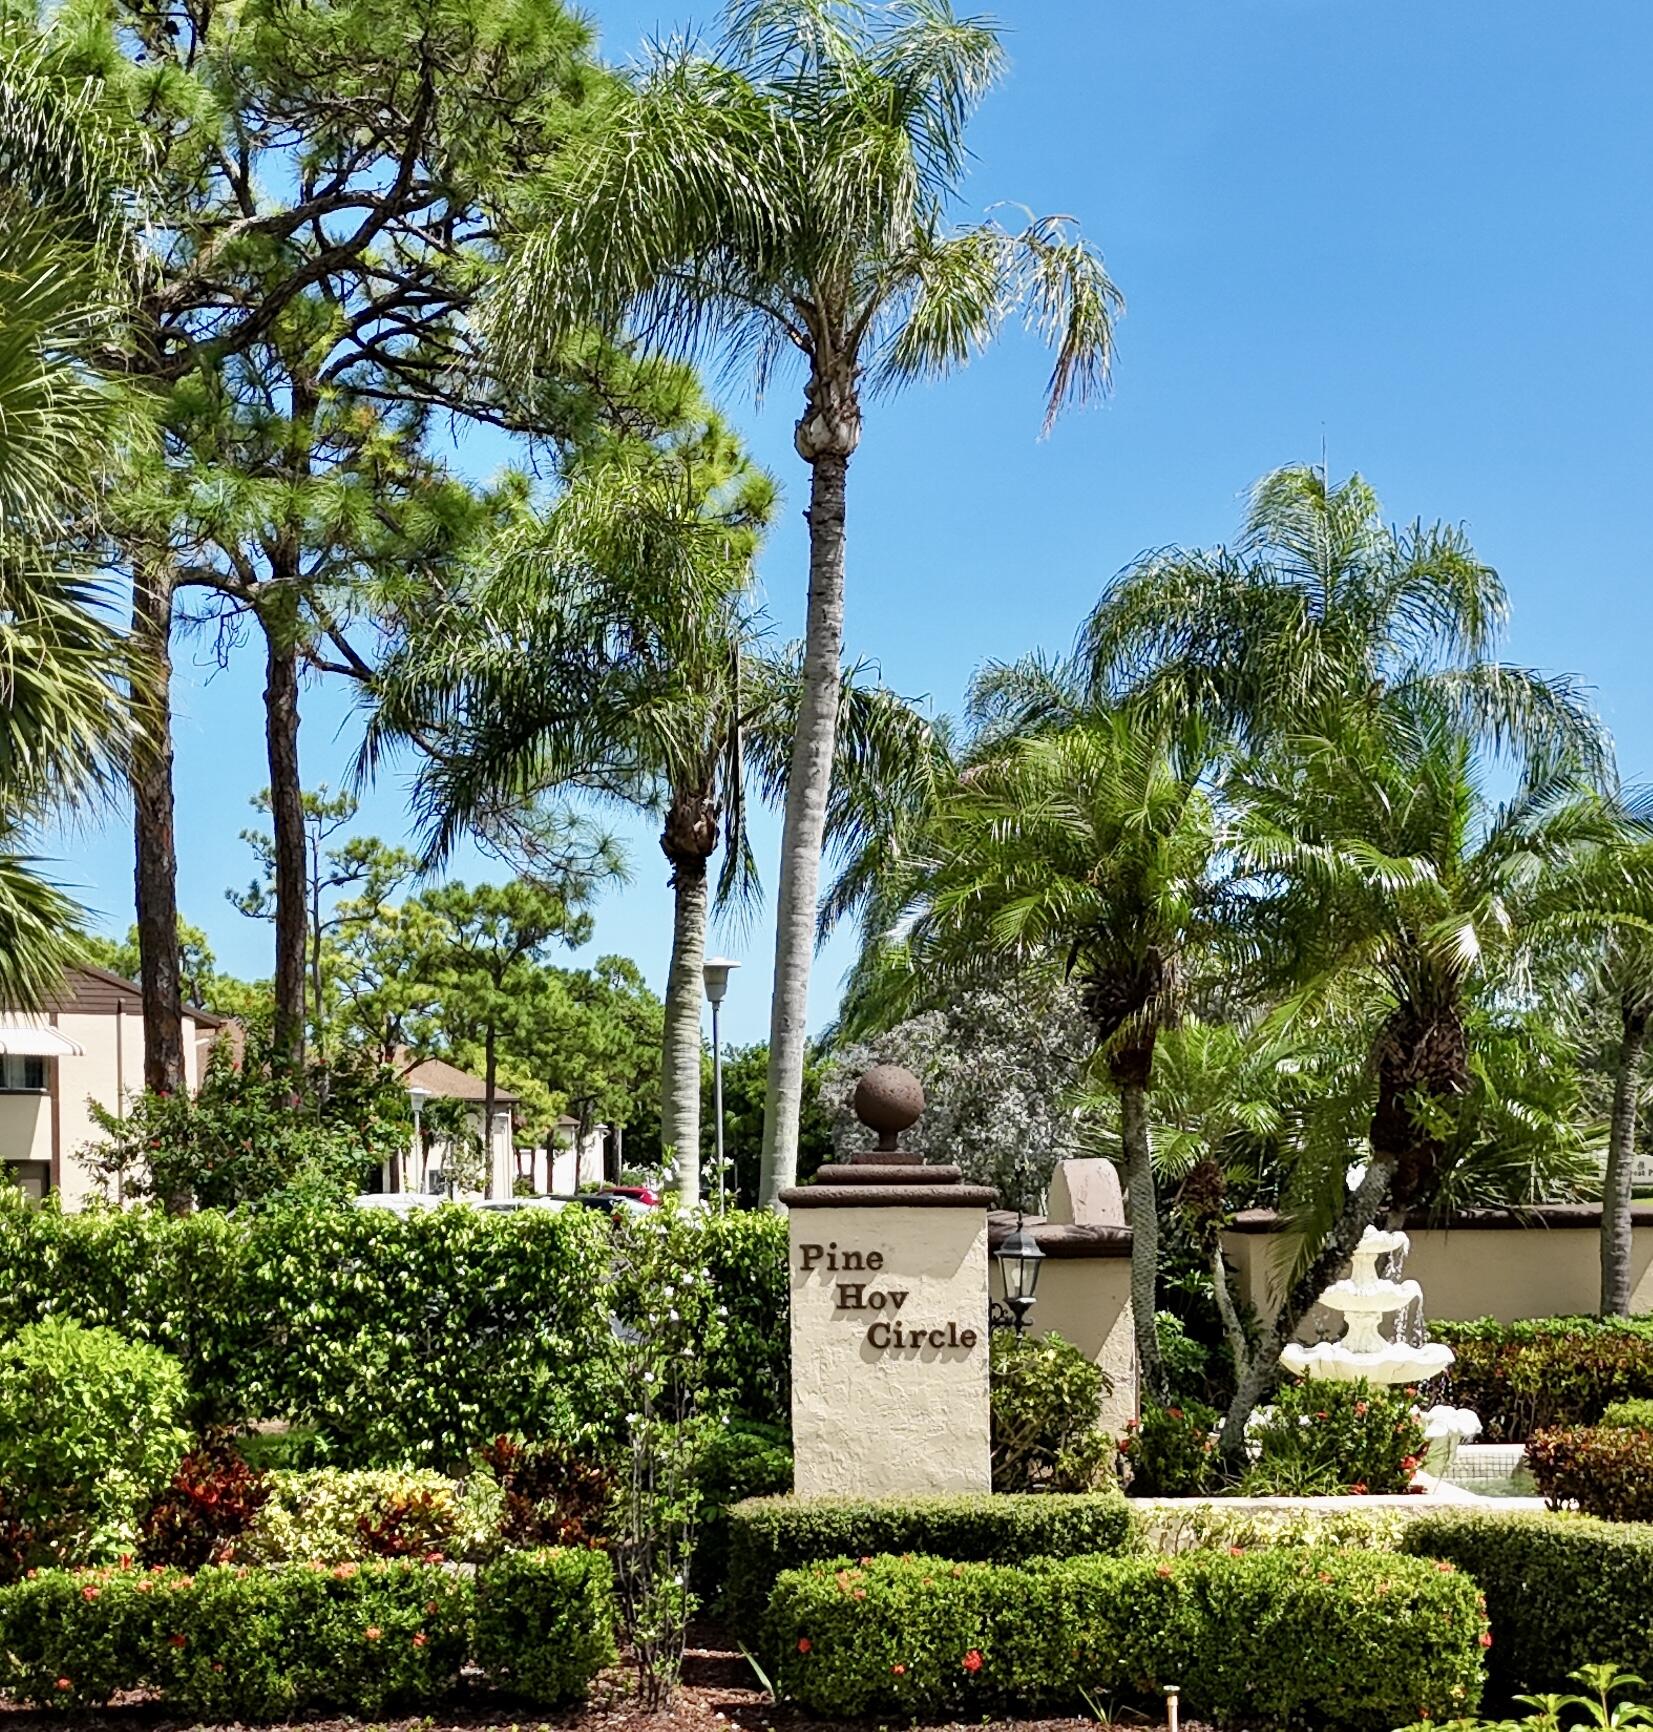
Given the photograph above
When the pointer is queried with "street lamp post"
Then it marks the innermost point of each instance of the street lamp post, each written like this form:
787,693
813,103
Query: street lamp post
1018,1258
716,970
416,1099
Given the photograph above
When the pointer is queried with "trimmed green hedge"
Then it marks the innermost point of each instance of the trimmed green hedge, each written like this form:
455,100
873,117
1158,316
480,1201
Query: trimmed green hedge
771,1534
1562,1591
401,1338
234,1643
1273,1639
1553,1371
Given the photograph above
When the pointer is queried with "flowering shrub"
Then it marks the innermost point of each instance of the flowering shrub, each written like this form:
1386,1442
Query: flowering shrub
231,1642
1046,1397
1356,1639
89,1434
1562,1590
330,1515
1603,1470
1171,1451
1555,1371
1325,1438
213,1499
768,1535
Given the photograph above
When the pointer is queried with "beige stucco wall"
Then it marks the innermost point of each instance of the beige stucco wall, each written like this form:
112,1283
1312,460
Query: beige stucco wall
1465,1272
1087,1300
877,1420
108,1070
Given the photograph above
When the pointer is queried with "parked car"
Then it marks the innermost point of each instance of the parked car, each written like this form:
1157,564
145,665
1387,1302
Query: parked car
638,1193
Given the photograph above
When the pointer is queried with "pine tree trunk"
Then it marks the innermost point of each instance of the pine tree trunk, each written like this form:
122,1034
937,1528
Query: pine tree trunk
155,877
804,832
1144,1213
292,917
680,1052
1616,1228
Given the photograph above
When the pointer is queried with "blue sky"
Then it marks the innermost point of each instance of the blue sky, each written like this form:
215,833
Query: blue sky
1422,233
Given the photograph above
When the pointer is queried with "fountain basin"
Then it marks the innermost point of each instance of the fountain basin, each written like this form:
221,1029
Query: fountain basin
1391,1363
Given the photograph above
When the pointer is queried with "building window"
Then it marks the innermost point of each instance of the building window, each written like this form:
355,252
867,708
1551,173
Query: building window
22,1073
32,1178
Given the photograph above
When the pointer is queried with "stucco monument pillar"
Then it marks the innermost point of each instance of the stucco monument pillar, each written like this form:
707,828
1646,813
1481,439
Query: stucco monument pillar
889,1316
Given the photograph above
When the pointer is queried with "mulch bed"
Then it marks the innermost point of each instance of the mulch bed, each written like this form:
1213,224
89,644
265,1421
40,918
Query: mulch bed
720,1693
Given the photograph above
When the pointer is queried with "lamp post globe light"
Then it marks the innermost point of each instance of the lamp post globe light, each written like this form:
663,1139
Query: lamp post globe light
1018,1258
715,971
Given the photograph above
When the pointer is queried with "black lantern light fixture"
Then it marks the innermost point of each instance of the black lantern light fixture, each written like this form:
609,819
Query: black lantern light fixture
1018,1258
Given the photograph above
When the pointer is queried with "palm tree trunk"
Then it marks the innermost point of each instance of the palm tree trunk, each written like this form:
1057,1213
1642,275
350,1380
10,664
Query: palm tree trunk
1616,1229
808,785
1144,1209
292,920
155,877
680,1052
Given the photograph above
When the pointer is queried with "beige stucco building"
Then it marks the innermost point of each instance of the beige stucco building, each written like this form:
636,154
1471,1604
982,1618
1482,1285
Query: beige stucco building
86,1044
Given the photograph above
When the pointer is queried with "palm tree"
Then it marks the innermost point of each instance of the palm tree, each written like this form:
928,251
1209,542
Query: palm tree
648,685
1381,877
1624,977
1318,602
1087,849
65,727
791,198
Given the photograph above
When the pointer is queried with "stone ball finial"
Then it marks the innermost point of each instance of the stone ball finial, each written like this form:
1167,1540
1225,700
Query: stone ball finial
888,1099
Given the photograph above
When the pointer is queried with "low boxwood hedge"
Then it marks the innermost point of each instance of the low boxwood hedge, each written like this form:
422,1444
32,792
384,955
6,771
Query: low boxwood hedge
232,1642
1269,1639
771,1534
1562,1591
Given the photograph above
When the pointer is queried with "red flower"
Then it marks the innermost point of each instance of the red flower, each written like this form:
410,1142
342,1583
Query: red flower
1410,1463
1175,1412
1236,1551
804,1644
1358,1488
1444,1567
1486,1638
178,1641
373,1632
1360,1407
420,1638
64,1684
972,1660
1322,1414
1165,1570
88,1593
899,1670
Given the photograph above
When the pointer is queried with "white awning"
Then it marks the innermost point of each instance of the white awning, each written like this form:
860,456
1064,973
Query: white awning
22,1041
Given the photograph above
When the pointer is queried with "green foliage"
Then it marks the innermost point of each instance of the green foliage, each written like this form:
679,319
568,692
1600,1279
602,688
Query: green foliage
1603,1470
1638,1415
1171,1451
1341,1638
1323,1438
244,1138
89,1434
1229,1527
1561,1590
544,1623
752,1359
1554,1371
1554,1709
745,1083
1045,1397
332,1515
739,1460
772,1534
229,1643
395,1339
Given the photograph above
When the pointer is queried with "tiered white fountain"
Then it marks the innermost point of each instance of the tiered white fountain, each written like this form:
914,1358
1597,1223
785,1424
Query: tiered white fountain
1365,1298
